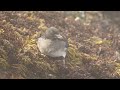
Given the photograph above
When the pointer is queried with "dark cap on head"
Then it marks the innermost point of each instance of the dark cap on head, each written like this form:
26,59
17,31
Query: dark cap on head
51,32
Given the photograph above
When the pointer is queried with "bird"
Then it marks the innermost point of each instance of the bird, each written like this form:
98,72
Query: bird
53,44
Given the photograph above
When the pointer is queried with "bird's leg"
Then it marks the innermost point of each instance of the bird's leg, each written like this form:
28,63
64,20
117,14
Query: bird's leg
64,62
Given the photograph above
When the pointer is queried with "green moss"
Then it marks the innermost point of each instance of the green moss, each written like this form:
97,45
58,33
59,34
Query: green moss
3,64
25,60
3,53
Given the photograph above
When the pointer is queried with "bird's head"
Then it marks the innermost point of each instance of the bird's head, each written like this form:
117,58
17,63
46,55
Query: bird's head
52,33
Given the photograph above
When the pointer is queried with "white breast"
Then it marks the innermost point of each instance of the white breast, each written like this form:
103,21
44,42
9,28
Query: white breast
43,44
52,48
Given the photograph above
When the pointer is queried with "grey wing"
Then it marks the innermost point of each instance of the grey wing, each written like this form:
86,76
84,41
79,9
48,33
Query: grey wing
66,44
58,45
58,48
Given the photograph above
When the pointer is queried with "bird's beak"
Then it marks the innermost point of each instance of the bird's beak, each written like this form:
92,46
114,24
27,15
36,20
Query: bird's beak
58,36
